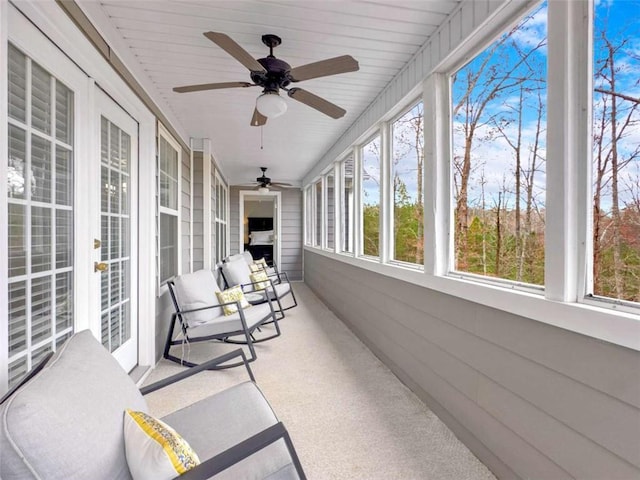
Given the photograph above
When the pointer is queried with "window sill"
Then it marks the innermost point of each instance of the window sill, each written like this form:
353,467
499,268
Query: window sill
620,328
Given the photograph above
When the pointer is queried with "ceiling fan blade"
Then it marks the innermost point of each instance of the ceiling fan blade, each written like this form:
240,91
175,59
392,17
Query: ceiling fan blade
280,184
323,68
230,46
316,102
211,86
258,119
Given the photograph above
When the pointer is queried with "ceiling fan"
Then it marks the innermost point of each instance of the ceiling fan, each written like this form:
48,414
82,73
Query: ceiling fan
263,183
273,75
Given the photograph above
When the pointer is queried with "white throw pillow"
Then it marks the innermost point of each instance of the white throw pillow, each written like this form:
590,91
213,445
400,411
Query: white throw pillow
262,238
154,450
236,272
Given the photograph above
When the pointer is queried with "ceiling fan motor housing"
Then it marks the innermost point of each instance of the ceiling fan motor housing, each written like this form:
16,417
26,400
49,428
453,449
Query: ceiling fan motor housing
276,75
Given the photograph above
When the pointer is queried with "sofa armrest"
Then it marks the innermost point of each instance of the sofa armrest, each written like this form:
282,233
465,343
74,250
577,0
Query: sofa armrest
197,369
242,450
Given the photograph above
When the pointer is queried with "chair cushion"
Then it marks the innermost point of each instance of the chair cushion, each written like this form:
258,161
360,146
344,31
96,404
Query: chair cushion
154,450
197,290
233,294
254,316
240,412
67,421
236,272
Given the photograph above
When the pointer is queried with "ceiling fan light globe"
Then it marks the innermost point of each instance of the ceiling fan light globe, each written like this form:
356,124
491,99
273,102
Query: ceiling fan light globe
263,190
271,105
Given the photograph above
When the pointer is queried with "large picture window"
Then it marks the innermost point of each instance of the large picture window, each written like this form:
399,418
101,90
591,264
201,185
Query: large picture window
616,150
408,190
168,193
370,174
499,145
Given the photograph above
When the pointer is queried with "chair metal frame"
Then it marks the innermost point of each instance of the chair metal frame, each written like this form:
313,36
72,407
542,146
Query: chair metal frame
247,332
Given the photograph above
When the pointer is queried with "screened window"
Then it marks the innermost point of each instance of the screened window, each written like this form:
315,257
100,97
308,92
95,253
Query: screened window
370,174
317,239
408,192
169,190
616,150
40,213
346,204
330,209
499,134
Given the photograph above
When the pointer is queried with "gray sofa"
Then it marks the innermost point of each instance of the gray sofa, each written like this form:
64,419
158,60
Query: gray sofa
66,422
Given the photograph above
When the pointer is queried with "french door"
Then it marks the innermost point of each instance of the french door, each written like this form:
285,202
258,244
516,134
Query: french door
71,209
114,305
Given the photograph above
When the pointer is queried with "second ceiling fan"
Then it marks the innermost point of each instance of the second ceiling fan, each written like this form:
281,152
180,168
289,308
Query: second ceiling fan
273,75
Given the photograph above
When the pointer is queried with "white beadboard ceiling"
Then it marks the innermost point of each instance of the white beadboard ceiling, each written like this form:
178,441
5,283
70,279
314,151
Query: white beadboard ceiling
162,42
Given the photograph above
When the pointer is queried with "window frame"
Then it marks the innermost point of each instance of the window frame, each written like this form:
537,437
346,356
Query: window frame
163,133
223,220
325,209
391,235
359,205
340,166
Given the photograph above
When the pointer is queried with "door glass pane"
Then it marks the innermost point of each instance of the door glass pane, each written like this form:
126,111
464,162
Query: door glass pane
115,226
40,99
17,174
17,85
64,113
40,215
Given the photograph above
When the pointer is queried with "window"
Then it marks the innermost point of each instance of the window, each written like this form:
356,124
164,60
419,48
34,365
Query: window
308,231
330,209
370,174
220,218
40,213
616,150
317,240
407,167
168,193
346,205
499,135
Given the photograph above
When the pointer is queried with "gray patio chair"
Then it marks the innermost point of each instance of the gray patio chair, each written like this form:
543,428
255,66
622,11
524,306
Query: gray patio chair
235,271
199,317
65,420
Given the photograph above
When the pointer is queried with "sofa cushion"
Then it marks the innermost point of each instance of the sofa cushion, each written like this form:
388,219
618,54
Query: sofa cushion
67,421
155,451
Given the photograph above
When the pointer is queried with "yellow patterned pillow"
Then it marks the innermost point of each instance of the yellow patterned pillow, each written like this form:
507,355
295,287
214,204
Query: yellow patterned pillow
262,262
261,278
154,450
256,267
232,294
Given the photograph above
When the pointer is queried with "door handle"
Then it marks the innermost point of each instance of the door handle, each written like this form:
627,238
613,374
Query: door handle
100,267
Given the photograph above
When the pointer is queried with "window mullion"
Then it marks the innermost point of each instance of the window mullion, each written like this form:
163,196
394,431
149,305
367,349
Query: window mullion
337,207
568,134
438,213
386,195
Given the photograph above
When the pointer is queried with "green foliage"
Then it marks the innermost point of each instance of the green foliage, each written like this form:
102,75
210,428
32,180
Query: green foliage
371,230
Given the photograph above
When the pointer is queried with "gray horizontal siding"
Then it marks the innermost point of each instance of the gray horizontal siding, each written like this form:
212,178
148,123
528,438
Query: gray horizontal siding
531,400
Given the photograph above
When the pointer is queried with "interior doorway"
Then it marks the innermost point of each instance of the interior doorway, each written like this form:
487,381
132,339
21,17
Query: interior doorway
259,229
